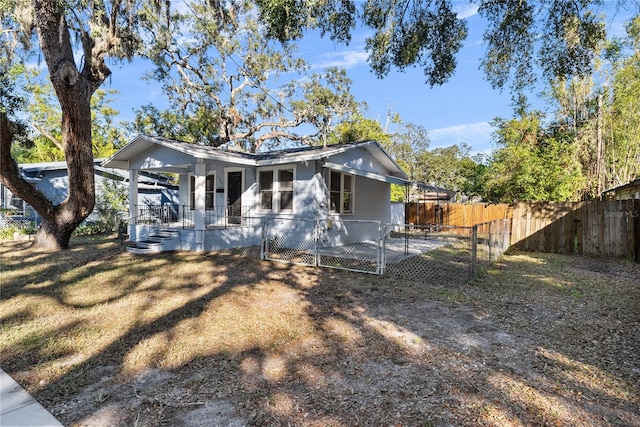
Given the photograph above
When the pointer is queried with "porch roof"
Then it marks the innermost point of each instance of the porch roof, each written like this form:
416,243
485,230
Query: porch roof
32,172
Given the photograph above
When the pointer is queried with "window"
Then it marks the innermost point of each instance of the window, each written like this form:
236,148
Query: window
285,187
209,192
341,192
276,190
11,201
266,190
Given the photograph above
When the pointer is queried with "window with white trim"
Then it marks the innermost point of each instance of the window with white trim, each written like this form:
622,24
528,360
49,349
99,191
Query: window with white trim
209,192
341,192
275,189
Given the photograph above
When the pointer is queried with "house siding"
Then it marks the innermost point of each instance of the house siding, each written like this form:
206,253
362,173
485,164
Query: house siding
372,200
359,159
161,157
306,198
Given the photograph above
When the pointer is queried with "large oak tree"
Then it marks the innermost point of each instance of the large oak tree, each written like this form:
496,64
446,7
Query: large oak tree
101,29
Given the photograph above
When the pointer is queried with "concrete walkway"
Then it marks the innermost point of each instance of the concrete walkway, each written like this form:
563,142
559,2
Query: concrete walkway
18,408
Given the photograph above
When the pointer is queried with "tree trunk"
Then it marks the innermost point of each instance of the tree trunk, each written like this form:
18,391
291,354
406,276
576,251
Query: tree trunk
74,92
58,222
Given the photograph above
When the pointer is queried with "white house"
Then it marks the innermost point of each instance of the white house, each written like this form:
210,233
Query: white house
224,194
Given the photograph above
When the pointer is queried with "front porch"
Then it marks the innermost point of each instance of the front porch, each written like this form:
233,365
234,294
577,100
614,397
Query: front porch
182,216
223,228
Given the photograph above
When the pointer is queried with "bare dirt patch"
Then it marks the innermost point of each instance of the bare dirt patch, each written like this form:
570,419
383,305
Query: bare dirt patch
101,337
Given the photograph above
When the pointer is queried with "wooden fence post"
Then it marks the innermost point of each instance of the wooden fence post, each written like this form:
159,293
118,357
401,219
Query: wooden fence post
636,228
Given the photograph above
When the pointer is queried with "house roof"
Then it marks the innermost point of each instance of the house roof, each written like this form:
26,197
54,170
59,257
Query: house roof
622,187
143,143
46,166
32,172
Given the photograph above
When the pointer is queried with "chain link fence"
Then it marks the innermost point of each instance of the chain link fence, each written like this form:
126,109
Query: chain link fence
491,240
435,254
428,253
101,220
23,219
343,244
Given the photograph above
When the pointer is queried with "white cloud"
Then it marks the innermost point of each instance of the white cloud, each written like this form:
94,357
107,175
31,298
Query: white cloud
466,11
344,59
477,135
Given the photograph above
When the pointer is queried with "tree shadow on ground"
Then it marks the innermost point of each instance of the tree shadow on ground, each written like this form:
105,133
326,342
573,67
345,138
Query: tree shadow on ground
238,341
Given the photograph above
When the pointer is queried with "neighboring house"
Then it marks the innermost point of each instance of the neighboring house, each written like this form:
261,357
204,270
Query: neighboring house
224,194
430,193
51,179
627,191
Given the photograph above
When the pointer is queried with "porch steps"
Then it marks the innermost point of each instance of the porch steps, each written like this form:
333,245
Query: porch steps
157,241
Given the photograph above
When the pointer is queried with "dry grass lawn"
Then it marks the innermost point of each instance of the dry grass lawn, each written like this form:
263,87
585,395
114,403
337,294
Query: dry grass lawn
102,337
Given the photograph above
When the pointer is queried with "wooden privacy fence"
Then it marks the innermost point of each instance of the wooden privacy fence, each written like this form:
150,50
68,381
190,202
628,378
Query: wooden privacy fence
606,228
455,214
609,228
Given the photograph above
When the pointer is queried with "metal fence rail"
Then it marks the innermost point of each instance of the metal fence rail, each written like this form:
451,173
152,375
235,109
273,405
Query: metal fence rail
219,216
155,214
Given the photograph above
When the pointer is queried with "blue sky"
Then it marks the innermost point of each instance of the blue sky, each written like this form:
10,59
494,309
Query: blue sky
459,111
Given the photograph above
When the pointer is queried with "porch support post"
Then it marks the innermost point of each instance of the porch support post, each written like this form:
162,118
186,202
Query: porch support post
199,193
133,203
183,195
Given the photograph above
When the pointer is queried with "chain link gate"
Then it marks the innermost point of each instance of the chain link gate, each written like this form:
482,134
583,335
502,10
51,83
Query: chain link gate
289,240
355,245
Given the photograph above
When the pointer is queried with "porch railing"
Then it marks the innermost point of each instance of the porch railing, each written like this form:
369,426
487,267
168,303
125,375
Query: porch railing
156,214
219,216
184,216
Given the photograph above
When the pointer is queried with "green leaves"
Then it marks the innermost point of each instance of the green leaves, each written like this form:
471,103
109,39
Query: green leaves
509,37
227,83
532,165
287,20
622,148
571,42
411,33
448,167
42,112
559,37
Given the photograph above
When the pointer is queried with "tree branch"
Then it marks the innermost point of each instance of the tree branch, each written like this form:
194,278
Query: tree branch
11,177
48,136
